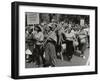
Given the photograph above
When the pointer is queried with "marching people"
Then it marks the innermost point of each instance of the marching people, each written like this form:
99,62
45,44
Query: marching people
50,47
82,41
38,38
44,43
69,43
87,30
29,44
60,39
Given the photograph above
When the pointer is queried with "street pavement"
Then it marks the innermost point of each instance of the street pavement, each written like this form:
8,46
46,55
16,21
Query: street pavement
75,61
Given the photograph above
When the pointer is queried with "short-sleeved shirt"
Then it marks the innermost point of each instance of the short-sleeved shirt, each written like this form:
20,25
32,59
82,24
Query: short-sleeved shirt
38,36
82,34
70,36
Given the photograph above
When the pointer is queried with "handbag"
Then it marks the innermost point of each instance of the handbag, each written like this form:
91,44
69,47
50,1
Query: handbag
28,52
75,43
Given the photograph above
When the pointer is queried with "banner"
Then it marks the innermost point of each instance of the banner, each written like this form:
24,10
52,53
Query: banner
82,22
32,18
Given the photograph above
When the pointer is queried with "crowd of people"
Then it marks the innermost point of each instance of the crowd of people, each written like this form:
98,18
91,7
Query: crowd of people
47,42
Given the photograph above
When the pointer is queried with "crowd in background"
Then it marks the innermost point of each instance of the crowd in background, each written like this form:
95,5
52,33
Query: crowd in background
47,42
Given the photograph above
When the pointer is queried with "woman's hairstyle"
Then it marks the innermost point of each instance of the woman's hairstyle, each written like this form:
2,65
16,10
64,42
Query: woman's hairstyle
38,27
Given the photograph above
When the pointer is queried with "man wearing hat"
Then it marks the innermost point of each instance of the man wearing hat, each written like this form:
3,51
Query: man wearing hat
38,38
50,47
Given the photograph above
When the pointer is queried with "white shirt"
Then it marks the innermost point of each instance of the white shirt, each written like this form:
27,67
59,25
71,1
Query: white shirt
38,36
70,36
